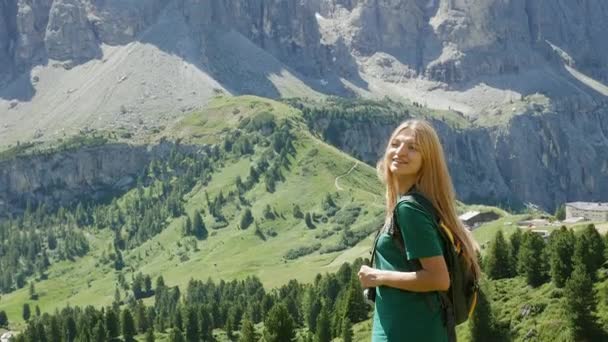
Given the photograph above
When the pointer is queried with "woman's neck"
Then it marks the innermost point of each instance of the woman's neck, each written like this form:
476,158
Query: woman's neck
405,184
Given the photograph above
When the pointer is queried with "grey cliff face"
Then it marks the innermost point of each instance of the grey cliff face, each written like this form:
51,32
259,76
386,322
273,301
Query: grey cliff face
59,179
286,29
445,40
118,22
29,38
5,59
457,43
69,34
546,160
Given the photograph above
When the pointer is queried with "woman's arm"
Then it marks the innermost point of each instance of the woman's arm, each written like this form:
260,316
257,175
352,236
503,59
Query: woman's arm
433,276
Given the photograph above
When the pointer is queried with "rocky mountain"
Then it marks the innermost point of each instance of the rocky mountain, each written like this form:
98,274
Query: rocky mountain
529,75
545,159
444,40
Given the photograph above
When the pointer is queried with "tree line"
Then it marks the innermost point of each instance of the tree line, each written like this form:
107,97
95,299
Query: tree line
319,311
569,260
32,241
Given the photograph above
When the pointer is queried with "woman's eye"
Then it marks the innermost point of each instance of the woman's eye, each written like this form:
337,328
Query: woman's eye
412,148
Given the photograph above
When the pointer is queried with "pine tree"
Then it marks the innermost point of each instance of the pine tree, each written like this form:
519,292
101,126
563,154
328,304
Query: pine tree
583,255
150,335
117,300
112,324
83,332
308,221
26,312
178,319
40,332
328,202
561,252
247,332
323,326
246,219
497,261
99,332
176,336
268,214
481,324
311,309
3,319
118,262
137,285
344,274
187,227
32,291
580,304
355,308
198,226
240,187
347,330
128,325
54,330
141,318
279,325
560,213
230,324
515,242
531,259
192,333
206,326
270,183
253,176
69,329
594,253
297,212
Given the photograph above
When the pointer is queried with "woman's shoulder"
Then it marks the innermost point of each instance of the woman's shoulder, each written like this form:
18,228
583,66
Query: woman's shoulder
413,200
414,203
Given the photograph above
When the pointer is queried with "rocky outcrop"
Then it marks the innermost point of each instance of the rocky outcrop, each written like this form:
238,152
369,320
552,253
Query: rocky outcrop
69,34
446,40
544,159
335,46
59,179
30,26
286,29
458,40
5,41
118,22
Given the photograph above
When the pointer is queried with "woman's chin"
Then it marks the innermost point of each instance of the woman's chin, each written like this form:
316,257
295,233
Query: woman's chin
401,172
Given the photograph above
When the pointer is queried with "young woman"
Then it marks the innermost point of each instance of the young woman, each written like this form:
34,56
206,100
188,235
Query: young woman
409,267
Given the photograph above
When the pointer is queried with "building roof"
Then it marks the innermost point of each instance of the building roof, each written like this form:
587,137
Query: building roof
468,215
574,219
591,206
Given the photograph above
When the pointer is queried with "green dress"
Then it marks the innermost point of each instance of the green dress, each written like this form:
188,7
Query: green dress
399,315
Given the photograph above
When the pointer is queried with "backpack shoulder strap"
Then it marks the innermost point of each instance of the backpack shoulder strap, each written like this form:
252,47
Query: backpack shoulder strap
443,229
371,261
422,200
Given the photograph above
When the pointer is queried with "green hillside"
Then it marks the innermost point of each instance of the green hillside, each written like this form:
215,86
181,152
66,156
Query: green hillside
244,190
310,174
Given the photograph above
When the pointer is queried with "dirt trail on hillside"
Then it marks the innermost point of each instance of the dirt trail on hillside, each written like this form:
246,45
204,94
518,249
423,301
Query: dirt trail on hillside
338,187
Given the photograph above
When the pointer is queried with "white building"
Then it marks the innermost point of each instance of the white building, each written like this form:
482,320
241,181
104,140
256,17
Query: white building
589,210
6,336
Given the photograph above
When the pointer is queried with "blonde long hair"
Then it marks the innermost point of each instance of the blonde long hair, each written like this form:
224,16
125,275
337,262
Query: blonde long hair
433,181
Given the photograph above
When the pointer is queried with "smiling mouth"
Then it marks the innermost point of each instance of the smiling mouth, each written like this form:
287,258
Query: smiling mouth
399,161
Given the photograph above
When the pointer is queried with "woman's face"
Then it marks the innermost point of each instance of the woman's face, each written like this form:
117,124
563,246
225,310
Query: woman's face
404,155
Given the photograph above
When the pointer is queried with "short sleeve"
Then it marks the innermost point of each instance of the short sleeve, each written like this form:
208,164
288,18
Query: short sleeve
418,230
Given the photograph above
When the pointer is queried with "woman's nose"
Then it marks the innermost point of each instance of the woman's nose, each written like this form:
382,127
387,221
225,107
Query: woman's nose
401,150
